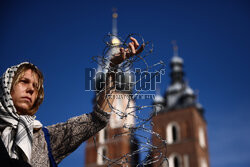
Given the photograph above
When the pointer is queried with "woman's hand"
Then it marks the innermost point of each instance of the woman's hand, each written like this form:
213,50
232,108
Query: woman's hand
126,53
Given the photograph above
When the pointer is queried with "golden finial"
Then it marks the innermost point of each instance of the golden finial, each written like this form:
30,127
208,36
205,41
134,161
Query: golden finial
114,15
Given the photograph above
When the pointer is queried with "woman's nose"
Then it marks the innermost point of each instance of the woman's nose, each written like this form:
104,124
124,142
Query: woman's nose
30,89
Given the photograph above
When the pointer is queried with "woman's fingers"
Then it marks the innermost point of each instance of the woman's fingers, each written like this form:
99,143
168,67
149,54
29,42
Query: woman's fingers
132,47
130,51
136,44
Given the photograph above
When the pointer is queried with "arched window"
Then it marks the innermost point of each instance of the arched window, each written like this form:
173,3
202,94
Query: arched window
101,155
202,137
175,160
103,135
173,132
203,162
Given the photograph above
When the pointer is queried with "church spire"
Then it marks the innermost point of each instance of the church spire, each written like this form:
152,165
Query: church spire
179,94
115,41
177,73
114,22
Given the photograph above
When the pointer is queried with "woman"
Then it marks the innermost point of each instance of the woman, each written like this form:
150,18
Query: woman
21,93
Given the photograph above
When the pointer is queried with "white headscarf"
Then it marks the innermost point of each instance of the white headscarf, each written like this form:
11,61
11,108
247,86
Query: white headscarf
17,131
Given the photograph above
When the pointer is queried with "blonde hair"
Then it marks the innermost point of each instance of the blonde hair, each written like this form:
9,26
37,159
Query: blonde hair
19,74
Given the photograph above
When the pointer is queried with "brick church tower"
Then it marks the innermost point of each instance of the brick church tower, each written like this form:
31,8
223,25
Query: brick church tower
179,118
110,145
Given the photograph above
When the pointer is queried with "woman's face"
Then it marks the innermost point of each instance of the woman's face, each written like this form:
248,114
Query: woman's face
24,93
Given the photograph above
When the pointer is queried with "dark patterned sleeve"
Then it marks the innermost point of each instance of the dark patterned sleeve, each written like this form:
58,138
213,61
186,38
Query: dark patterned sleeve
66,137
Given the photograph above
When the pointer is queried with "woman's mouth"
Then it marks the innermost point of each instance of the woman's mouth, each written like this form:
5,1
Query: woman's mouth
28,99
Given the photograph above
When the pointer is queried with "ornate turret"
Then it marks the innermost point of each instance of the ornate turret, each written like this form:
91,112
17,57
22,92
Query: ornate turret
176,67
179,94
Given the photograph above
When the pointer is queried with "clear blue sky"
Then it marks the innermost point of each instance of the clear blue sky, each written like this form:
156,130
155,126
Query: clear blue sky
60,37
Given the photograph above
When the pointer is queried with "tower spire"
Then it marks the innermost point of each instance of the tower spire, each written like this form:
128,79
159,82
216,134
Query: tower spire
175,48
115,41
114,22
176,66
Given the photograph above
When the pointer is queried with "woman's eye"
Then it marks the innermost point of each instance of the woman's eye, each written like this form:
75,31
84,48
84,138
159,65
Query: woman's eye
24,81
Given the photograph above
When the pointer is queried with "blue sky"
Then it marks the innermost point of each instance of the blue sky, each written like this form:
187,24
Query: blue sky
60,37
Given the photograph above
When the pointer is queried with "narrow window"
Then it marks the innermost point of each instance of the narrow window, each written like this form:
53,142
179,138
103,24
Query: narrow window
203,162
202,140
174,134
104,154
102,136
101,155
176,162
105,134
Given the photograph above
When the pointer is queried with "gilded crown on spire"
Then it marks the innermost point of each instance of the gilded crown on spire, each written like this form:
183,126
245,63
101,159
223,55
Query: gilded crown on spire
115,41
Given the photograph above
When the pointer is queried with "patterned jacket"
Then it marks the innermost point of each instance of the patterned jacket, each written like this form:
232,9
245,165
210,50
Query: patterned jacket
66,137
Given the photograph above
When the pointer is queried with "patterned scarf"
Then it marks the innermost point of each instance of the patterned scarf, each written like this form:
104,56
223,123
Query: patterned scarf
17,129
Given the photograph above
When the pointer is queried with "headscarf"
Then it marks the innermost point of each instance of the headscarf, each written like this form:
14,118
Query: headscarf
17,129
